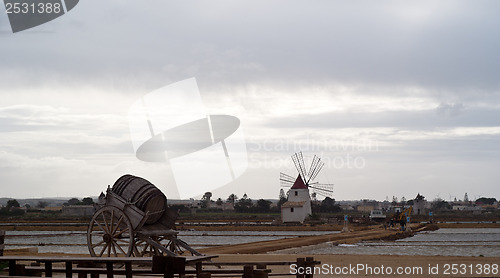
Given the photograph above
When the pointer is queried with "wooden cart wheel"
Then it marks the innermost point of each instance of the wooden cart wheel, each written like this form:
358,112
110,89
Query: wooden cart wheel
170,246
144,249
110,233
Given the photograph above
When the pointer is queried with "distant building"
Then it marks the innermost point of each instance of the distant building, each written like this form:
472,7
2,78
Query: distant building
368,205
365,208
419,205
460,208
298,206
467,208
227,206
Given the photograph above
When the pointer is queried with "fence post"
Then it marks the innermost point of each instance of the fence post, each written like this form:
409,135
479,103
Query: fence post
2,245
69,269
261,271
168,266
309,264
301,266
248,271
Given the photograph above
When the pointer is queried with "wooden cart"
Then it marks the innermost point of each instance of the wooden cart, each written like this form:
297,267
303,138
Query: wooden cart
132,220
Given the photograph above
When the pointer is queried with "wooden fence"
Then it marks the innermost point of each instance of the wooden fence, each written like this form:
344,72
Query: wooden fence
199,266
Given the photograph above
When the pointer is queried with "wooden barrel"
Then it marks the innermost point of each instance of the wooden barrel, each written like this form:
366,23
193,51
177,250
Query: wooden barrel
144,194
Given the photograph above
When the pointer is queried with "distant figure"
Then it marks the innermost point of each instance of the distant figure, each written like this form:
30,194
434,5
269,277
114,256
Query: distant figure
403,224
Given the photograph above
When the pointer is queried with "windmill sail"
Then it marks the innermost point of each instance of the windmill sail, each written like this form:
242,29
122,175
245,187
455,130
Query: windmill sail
323,189
315,168
286,180
298,160
306,178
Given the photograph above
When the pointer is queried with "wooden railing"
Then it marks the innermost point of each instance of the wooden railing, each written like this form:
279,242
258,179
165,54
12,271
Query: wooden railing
165,266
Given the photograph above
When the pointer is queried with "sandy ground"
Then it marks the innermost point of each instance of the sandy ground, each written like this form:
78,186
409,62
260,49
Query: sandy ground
365,265
359,265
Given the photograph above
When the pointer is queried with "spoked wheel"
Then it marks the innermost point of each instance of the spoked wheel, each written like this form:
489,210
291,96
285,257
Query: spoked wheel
143,249
110,233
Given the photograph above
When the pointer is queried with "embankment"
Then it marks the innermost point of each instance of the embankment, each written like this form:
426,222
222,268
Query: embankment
279,244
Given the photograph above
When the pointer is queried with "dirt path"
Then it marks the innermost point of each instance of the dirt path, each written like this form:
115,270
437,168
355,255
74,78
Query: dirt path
279,244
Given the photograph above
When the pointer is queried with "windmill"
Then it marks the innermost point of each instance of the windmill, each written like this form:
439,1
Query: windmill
307,178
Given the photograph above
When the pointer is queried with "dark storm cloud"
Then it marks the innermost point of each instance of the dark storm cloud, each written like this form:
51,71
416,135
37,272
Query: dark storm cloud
449,44
442,55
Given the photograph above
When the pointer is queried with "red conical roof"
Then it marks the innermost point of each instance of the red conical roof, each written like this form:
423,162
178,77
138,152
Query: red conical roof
299,184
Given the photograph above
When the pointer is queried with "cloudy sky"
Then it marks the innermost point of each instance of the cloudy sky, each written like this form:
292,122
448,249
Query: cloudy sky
397,97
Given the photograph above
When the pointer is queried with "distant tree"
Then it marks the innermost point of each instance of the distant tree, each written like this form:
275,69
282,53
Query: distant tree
244,204
441,205
12,208
205,200
232,199
72,202
12,204
281,201
41,204
263,205
486,201
328,205
394,200
180,208
218,202
87,201
282,194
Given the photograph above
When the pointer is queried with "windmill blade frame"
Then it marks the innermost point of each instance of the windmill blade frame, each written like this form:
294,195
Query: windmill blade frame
323,189
298,160
315,168
286,180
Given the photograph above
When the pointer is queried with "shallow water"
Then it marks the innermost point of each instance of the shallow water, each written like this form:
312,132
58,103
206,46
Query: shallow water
76,242
443,242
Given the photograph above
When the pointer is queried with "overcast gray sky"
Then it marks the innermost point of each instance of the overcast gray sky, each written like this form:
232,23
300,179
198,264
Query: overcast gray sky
398,97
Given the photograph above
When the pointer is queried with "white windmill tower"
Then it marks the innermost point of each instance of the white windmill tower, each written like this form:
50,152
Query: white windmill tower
298,206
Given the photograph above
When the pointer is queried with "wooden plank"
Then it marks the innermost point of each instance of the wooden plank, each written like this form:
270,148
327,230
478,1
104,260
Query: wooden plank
134,260
42,259
96,270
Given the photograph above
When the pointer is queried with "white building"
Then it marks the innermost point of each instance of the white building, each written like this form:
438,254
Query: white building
298,206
